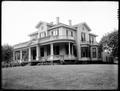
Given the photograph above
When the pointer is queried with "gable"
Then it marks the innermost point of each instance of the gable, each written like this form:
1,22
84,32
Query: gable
85,27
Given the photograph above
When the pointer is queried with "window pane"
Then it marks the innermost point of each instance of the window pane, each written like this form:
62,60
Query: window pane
94,52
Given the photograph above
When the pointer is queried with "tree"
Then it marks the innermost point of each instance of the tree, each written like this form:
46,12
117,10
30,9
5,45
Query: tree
7,53
110,43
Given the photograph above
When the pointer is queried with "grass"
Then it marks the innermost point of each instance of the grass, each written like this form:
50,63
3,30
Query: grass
61,77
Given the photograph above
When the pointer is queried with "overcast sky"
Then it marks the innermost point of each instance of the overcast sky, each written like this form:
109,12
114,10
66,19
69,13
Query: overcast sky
20,18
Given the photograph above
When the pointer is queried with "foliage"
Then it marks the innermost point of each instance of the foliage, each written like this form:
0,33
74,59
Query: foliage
110,42
7,53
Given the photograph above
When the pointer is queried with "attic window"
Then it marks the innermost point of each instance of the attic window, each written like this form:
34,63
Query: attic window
83,28
42,27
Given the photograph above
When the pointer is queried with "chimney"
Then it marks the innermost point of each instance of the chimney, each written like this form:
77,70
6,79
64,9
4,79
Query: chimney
57,20
70,22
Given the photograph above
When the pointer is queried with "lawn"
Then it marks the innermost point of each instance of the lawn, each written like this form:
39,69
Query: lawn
90,76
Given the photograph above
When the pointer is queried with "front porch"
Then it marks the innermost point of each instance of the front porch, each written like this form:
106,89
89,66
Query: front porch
47,53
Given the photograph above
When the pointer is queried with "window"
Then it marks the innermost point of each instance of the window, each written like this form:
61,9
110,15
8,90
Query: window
71,33
92,39
48,50
83,37
83,28
66,49
56,50
52,33
85,52
55,32
42,52
66,32
42,34
94,52
25,55
74,51
42,27
58,31
17,55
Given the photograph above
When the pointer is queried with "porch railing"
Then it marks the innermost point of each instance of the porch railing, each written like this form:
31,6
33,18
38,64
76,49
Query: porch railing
58,57
52,57
51,38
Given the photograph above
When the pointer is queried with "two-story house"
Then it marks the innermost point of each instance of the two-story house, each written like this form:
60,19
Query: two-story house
58,42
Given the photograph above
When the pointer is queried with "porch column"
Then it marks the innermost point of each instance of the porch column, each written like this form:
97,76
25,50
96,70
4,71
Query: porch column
51,51
29,54
37,52
20,55
13,55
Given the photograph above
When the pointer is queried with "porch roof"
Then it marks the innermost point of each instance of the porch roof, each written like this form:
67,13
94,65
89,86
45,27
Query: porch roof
20,45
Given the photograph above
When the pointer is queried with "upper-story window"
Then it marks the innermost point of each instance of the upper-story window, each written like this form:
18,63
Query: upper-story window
51,32
45,34
83,38
42,27
55,32
91,39
42,34
83,28
72,33
66,32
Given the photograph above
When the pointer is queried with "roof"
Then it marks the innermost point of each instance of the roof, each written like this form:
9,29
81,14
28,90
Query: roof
93,34
41,22
25,44
84,23
36,32
63,25
20,45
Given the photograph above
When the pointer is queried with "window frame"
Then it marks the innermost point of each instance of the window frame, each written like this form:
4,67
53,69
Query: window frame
94,51
83,36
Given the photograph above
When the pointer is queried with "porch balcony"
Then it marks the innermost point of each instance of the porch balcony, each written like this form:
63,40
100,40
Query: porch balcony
53,38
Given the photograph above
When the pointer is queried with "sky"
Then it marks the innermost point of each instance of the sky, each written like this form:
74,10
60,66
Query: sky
19,18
